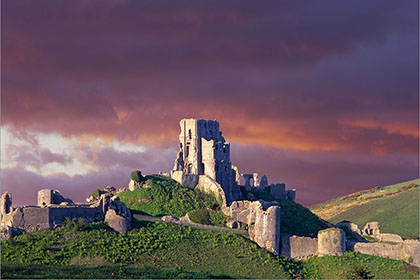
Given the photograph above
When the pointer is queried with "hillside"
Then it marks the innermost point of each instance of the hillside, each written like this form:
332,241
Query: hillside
164,196
160,250
395,207
161,196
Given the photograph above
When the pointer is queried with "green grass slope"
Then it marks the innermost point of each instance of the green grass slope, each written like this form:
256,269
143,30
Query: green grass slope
398,214
160,250
164,196
395,207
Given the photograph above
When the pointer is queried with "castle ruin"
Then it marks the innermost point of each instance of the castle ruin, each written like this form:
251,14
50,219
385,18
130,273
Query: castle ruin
203,160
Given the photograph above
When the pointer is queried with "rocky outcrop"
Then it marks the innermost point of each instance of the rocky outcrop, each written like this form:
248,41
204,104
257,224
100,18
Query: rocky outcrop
331,241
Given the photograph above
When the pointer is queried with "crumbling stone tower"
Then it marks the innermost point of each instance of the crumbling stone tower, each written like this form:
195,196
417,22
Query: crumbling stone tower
204,151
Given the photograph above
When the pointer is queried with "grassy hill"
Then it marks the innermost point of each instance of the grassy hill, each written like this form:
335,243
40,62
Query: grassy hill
160,250
164,196
395,207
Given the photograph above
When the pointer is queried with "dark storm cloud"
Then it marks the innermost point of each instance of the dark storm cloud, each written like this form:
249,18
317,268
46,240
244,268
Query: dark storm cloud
313,76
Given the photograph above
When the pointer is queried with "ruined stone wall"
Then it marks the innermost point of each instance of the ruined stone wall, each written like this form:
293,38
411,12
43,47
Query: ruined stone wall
31,218
57,215
266,229
204,151
278,190
331,241
262,218
28,218
298,247
208,158
208,185
407,250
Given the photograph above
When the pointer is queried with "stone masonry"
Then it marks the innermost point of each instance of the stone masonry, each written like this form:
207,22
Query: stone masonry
203,151
53,209
262,219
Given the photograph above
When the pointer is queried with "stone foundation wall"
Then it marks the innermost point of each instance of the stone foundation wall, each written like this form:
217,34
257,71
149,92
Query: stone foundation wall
407,251
331,241
57,215
263,220
31,218
298,247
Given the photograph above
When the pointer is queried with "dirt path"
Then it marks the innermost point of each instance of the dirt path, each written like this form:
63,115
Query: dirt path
157,219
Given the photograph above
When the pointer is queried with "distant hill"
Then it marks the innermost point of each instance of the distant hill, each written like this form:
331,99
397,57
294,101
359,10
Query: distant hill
395,207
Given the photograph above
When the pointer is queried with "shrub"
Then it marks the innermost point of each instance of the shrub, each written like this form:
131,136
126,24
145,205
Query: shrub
136,176
11,241
200,216
96,193
410,259
361,273
28,237
217,218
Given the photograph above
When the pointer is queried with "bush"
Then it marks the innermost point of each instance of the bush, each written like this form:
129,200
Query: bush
200,216
96,193
75,225
28,237
361,273
217,218
136,176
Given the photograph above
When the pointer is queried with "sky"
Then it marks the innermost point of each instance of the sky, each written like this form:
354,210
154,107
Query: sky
321,95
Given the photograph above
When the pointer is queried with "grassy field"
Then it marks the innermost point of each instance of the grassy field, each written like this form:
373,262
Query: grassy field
395,207
159,250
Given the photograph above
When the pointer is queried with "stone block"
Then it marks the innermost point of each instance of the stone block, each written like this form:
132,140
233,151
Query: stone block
371,228
45,197
266,229
116,222
298,247
331,241
389,237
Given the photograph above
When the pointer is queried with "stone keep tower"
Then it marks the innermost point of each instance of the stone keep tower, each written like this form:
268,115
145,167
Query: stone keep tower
204,151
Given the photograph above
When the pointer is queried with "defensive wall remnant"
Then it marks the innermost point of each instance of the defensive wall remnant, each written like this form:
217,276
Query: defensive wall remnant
53,209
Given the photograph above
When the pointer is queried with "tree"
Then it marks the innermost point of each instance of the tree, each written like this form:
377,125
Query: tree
136,176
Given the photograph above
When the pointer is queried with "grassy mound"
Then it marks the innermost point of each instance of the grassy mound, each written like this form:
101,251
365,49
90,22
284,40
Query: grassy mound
299,220
161,250
395,207
164,196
